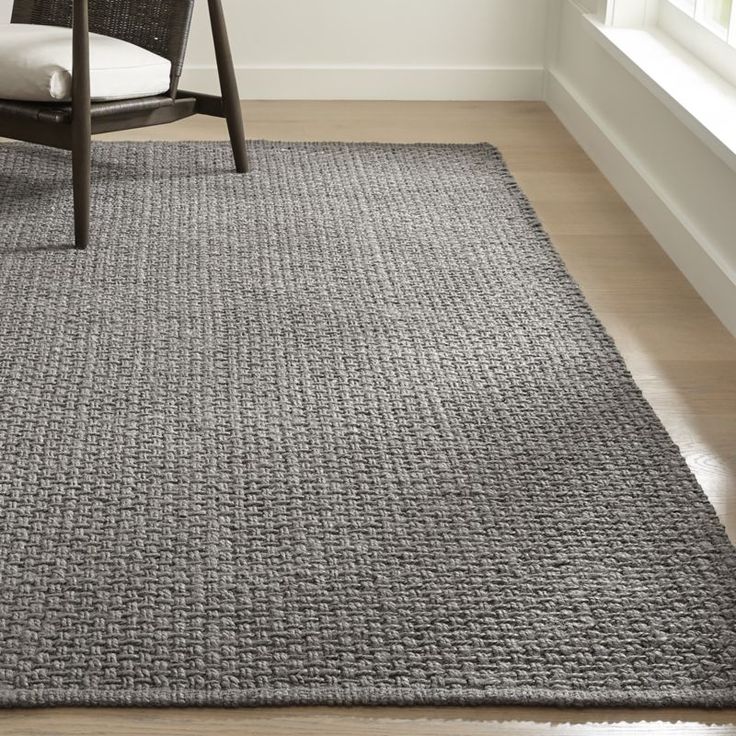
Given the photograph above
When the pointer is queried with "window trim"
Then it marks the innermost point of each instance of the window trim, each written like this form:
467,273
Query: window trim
699,39
642,13
705,103
716,50
629,13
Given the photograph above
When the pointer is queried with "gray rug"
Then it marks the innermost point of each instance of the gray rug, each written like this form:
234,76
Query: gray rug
341,431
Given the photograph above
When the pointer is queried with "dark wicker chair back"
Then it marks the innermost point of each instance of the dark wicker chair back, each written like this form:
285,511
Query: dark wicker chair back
161,26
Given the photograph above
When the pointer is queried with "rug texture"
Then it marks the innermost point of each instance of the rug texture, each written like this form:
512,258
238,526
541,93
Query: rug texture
339,431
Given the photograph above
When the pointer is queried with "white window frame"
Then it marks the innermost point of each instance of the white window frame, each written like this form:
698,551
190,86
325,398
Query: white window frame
714,48
629,13
696,14
688,68
702,40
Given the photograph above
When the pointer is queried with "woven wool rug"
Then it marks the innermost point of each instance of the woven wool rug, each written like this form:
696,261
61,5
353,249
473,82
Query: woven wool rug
340,431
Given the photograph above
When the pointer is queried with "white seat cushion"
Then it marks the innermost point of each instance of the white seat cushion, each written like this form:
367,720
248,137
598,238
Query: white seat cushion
36,65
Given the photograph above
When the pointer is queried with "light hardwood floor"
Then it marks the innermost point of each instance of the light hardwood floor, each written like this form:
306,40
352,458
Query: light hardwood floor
679,353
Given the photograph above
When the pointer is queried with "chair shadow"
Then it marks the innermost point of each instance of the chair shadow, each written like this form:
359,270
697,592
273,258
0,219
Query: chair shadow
42,157
25,188
60,248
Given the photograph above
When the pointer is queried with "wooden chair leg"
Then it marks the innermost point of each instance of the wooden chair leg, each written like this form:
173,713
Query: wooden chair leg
81,125
81,172
228,85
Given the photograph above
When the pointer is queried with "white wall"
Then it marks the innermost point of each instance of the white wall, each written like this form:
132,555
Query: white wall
363,49
682,191
410,49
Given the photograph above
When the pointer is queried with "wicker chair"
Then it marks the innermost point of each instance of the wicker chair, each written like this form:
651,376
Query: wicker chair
159,26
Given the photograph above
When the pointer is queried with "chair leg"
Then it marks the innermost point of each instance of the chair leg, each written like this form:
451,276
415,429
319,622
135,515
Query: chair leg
82,173
228,85
81,123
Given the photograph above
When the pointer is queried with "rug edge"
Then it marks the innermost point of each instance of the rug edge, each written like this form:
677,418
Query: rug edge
366,697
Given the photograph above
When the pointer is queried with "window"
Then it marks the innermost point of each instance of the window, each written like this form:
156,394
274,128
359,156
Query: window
718,16
705,28
684,52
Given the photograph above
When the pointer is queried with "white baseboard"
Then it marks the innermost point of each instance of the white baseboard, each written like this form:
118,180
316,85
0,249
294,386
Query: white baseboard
375,83
691,251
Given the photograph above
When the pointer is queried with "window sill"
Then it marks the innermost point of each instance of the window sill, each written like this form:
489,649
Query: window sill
698,97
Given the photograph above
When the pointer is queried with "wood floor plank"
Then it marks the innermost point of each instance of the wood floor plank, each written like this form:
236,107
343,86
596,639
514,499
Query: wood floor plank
588,217
680,354
368,722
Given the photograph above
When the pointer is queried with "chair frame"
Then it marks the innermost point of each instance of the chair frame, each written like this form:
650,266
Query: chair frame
88,118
